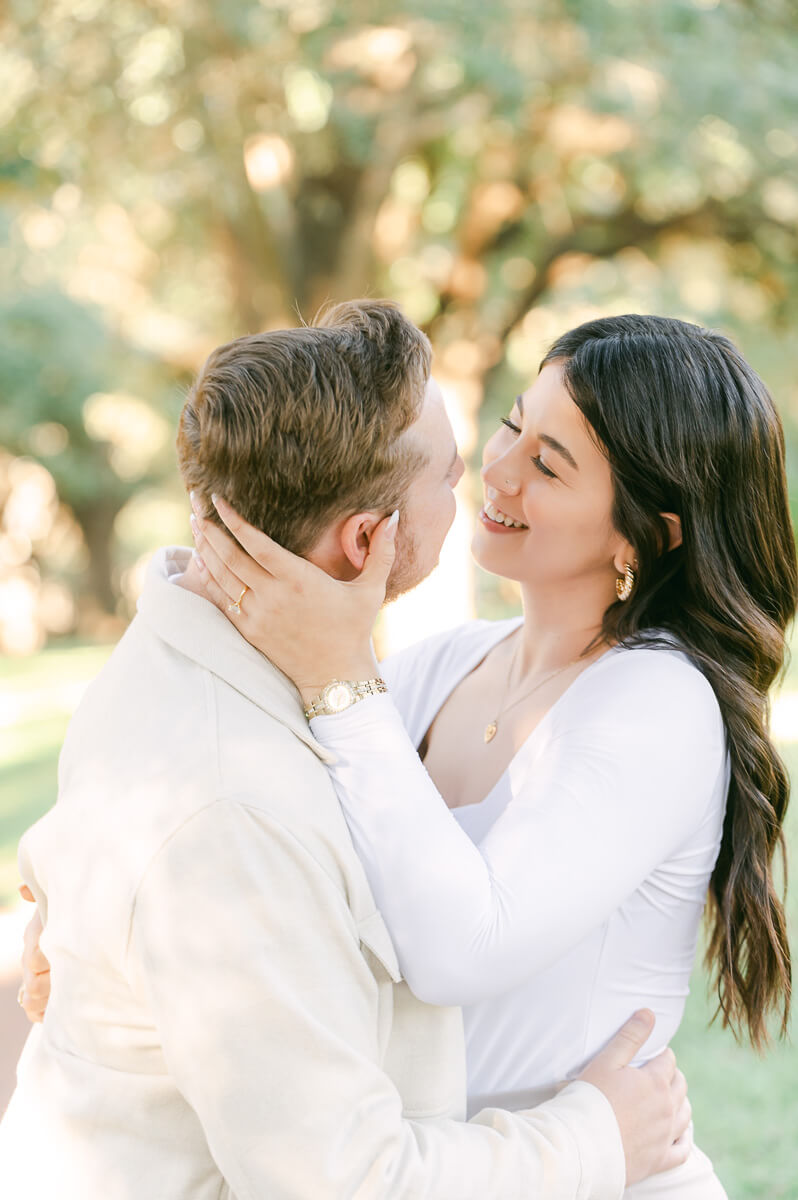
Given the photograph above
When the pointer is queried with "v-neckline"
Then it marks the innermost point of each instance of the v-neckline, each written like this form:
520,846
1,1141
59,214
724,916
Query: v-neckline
472,664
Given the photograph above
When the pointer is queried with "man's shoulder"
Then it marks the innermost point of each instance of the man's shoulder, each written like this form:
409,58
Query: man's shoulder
265,767
159,738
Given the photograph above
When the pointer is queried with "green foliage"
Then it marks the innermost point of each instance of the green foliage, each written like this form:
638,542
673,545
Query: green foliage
57,359
199,171
54,355
699,86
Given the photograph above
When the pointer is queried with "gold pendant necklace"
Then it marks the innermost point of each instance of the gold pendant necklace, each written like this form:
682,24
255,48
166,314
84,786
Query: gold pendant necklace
492,727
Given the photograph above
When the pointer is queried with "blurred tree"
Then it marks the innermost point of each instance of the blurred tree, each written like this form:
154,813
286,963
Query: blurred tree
201,169
56,362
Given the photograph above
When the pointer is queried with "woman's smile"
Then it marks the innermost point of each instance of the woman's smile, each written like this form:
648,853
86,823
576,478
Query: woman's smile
500,521
497,527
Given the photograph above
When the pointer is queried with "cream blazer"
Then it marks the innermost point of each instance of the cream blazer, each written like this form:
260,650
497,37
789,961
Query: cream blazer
227,1017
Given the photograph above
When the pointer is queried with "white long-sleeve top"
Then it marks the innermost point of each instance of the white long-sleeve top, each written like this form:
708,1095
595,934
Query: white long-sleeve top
572,894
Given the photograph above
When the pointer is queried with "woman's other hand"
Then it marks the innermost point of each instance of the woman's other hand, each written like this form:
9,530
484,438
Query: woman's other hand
313,627
35,990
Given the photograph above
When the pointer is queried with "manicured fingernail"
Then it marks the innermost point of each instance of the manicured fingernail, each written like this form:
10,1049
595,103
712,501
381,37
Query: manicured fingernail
194,502
199,561
215,499
393,522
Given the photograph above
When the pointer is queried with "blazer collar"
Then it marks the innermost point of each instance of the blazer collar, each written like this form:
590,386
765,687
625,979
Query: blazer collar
197,629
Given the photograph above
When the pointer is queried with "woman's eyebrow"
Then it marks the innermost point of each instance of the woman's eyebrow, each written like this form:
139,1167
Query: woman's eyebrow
559,448
551,442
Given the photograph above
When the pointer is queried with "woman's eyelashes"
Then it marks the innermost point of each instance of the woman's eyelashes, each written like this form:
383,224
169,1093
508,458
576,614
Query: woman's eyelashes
541,466
535,458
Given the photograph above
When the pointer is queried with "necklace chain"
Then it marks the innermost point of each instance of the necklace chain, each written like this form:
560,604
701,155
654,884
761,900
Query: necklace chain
492,726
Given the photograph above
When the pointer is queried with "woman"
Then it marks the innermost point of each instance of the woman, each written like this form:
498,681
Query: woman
590,771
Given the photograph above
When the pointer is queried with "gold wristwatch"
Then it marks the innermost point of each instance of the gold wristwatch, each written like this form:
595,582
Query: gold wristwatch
341,694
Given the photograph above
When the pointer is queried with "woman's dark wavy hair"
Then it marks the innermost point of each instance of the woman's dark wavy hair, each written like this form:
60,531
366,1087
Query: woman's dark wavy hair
689,428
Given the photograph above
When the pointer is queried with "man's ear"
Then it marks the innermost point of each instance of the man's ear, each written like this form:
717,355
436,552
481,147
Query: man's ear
674,525
355,537
342,548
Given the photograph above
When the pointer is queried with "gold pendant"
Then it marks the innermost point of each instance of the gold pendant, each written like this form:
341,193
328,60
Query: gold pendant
490,731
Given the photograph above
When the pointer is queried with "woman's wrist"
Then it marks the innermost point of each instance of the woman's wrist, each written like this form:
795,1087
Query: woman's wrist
354,671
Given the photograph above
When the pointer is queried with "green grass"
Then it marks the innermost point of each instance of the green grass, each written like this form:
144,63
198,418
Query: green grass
37,696
745,1107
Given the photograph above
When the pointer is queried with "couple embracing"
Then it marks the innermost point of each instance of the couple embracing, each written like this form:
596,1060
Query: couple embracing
281,882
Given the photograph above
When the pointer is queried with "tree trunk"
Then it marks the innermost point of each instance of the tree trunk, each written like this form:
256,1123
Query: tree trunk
96,521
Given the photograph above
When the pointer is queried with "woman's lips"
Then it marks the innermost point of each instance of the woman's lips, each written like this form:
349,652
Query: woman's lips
495,527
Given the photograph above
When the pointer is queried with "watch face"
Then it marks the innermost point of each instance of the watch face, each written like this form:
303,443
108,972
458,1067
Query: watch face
338,696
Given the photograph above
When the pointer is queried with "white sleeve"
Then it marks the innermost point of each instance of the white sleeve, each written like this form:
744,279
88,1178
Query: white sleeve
248,957
614,794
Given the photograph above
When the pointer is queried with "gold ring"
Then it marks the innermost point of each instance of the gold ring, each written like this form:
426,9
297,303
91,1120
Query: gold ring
21,996
235,605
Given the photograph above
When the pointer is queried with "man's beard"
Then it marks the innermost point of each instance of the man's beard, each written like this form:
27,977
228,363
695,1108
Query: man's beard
406,572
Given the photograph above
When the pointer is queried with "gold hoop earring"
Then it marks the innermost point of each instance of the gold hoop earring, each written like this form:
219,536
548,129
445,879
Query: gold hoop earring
625,583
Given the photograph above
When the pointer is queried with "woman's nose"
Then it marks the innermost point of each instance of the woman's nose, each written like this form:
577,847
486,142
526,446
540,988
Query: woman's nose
498,478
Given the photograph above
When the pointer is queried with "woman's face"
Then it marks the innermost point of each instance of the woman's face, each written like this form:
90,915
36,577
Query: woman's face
543,470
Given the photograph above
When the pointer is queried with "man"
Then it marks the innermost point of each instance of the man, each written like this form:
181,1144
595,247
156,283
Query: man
227,1016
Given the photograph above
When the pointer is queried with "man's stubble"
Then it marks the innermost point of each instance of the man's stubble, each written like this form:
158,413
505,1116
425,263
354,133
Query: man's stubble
406,572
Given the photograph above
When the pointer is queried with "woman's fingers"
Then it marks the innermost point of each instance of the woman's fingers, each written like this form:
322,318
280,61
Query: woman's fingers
35,990
215,568
212,591
34,995
229,565
34,1010
267,553
34,961
313,626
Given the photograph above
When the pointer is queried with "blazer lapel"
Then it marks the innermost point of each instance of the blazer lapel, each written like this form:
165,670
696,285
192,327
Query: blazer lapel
195,628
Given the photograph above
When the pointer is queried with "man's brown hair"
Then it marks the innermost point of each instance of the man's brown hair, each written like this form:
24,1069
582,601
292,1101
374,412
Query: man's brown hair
298,427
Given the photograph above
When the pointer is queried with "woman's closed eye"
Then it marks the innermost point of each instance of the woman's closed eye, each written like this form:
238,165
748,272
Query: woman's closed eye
541,466
535,458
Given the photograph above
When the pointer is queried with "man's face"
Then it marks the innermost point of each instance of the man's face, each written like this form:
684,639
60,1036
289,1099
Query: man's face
429,506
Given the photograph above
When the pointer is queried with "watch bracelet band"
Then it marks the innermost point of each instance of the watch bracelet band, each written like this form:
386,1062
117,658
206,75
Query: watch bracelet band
361,688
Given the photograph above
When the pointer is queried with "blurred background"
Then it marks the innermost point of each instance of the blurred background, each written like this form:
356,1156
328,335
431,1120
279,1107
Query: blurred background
175,173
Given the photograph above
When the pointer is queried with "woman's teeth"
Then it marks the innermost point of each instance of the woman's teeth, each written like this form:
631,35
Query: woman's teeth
501,518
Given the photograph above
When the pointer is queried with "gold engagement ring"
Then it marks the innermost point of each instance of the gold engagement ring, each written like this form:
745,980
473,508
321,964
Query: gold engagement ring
235,605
